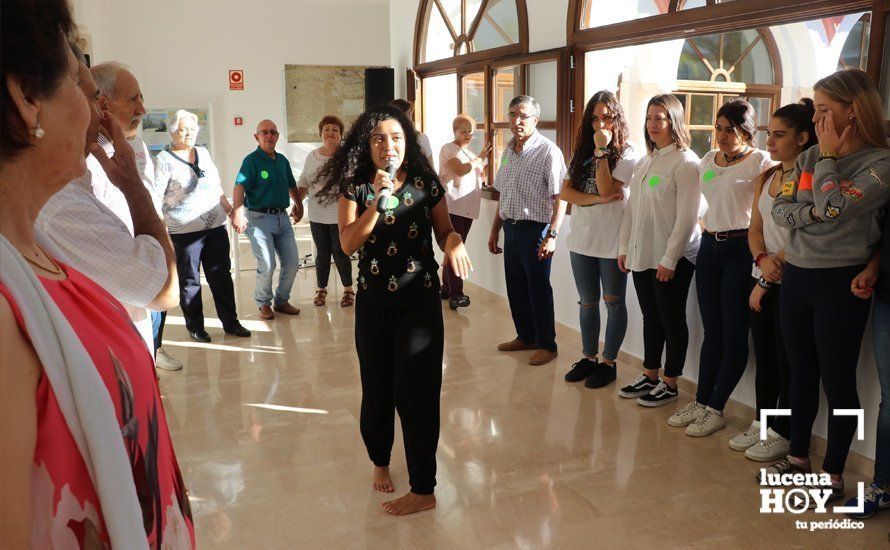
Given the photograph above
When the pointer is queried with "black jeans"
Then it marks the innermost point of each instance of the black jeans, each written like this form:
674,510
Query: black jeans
664,317
823,324
723,284
528,284
773,377
208,249
327,242
400,357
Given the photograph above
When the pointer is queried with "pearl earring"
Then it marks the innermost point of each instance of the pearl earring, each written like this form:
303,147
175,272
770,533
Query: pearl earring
38,131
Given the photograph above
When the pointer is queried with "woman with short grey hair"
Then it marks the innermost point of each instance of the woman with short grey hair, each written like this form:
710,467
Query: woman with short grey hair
195,209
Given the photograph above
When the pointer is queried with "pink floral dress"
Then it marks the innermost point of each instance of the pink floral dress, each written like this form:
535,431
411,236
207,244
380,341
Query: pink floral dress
65,508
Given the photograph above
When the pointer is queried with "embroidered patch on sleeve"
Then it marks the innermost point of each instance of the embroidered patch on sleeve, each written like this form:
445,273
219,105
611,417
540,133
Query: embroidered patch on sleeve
828,186
832,212
806,181
853,193
790,220
788,188
874,174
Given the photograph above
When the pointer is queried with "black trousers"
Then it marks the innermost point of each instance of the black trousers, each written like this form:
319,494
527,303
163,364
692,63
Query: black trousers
400,357
664,317
327,243
823,324
452,285
528,283
773,376
210,249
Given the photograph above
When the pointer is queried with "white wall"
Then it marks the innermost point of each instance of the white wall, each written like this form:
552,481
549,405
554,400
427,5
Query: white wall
181,53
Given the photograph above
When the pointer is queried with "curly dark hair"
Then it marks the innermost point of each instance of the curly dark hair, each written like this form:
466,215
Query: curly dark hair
584,142
351,165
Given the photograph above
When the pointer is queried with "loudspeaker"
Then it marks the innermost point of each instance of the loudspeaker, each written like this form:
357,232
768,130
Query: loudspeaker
379,86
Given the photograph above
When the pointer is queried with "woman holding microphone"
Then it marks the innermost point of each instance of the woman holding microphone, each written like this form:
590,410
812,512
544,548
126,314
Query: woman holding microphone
399,333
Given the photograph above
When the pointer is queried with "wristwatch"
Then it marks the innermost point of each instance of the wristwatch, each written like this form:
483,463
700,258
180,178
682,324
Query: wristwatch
552,233
600,152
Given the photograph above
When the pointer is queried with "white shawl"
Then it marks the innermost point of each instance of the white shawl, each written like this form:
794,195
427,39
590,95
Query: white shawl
82,396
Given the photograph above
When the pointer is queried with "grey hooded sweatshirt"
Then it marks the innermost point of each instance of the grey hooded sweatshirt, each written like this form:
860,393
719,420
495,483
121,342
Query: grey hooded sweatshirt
834,208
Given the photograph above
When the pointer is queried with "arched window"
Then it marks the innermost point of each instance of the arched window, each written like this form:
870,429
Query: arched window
598,13
453,28
718,68
854,53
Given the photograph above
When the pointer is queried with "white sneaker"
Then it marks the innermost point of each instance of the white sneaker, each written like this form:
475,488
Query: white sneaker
165,362
708,423
775,446
747,438
687,415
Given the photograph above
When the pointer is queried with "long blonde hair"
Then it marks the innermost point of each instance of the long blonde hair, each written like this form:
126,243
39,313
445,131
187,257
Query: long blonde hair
854,87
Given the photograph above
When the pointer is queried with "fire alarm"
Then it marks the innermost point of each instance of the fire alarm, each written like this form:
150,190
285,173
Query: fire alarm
238,121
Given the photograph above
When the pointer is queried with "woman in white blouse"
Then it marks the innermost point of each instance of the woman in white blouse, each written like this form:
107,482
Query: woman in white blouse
195,210
723,266
658,242
323,216
460,171
601,168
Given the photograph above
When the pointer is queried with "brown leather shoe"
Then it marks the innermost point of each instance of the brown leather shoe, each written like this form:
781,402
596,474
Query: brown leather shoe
266,313
515,345
285,307
542,357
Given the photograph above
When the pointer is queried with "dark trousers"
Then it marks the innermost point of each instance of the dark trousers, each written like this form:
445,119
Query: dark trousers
208,249
400,359
773,377
664,317
158,320
327,243
723,284
528,284
823,324
452,285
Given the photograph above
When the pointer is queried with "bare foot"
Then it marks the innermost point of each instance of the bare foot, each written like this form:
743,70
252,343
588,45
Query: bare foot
382,480
409,504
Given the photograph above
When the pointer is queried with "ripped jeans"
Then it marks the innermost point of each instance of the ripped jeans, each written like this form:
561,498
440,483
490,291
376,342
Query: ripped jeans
589,274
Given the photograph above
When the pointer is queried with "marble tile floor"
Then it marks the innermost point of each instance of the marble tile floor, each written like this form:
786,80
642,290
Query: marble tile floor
266,432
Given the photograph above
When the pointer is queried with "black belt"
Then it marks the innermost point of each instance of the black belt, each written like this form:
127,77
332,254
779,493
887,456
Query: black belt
511,221
269,210
720,236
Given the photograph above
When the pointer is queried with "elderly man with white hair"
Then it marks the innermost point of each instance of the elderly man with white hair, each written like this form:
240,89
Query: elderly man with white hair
195,210
121,97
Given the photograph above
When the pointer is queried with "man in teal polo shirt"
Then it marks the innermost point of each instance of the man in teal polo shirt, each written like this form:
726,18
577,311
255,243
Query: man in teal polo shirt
265,186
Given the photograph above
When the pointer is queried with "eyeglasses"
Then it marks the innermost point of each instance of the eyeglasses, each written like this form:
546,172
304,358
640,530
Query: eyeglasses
267,132
511,115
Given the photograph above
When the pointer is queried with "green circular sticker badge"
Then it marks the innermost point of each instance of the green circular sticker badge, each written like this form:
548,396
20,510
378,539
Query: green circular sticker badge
654,181
264,175
708,176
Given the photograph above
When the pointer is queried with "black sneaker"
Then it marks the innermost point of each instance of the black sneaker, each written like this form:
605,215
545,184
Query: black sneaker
453,304
581,370
463,301
602,376
662,394
199,335
641,386
784,466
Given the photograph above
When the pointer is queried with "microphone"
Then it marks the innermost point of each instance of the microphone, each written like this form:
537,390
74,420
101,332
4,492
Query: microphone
387,201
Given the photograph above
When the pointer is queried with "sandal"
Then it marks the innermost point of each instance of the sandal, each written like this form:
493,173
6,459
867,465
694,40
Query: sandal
320,295
348,299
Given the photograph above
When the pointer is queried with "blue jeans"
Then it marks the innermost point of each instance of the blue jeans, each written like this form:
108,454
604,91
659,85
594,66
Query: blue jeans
268,234
158,320
723,282
589,274
528,284
880,324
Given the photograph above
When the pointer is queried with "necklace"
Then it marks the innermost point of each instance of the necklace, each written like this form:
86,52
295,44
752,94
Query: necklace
728,160
56,269
785,173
